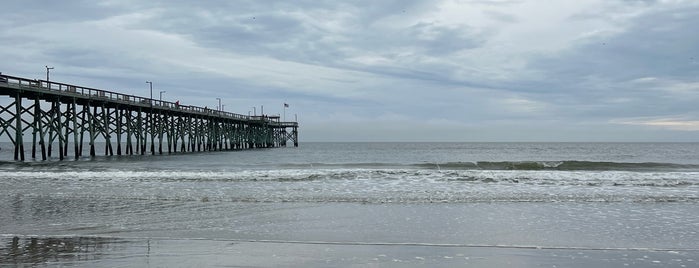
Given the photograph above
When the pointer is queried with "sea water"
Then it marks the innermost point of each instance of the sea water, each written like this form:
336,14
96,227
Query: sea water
556,196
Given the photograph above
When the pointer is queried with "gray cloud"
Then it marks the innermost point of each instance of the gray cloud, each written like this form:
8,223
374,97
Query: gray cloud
407,70
22,12
630,73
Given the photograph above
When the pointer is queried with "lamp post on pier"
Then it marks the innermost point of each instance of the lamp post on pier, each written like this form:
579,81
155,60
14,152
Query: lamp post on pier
151,93
161,94
219,103
47,75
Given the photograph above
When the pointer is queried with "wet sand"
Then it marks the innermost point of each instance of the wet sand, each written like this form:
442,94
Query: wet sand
166,234
112,252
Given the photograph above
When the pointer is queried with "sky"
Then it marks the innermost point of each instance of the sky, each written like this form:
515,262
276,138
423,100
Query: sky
400,70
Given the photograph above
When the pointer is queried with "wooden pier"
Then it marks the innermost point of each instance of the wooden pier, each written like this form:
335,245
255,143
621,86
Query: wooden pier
50,113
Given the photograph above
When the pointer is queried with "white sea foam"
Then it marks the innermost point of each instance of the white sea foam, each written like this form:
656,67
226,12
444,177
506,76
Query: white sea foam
589,178
368,185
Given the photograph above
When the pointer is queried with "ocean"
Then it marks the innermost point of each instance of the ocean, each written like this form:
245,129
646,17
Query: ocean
359,204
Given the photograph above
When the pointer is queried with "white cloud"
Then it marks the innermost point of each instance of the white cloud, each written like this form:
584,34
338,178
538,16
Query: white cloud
522,105
672,88
662,123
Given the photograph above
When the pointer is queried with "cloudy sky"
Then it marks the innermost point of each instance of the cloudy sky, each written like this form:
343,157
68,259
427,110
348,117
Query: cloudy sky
457,70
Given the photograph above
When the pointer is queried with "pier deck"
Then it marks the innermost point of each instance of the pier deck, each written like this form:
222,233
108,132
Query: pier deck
50,112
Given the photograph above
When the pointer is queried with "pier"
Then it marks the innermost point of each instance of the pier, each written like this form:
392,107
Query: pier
45,114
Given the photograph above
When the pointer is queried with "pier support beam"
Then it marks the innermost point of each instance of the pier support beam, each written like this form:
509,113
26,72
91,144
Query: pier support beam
119,119
35,128
76,146
19,143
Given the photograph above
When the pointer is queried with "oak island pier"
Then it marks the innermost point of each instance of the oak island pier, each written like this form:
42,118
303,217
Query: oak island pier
48,116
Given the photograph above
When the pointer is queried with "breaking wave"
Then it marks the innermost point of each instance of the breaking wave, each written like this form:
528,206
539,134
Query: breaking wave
515,165
564,181
426,176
